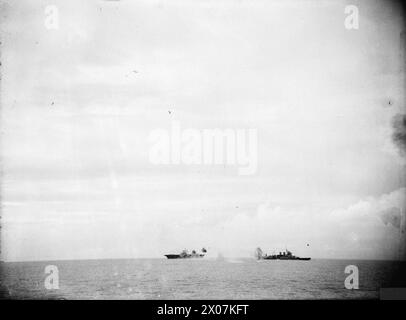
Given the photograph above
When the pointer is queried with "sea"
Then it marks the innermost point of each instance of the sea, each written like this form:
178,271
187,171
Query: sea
196,279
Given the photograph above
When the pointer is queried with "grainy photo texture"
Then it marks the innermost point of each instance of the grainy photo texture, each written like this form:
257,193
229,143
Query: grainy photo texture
204,149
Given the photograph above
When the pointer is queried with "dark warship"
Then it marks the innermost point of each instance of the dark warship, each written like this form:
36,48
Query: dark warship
285,255
186,255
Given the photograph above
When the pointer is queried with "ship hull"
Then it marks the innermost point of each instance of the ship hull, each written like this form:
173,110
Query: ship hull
282,258
178,256
286,255
172,256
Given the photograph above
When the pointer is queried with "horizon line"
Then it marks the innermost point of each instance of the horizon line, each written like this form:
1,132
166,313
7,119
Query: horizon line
206,258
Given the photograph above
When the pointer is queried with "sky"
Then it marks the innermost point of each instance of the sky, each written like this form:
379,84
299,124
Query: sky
79,101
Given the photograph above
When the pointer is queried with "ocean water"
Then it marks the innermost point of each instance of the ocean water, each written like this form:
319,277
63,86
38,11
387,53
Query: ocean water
195,279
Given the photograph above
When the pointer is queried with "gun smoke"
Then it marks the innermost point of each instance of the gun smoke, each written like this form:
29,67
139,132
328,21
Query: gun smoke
399,132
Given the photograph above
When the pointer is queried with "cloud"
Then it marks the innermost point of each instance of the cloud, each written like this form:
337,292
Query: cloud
391,216
399,132
367,229
76,119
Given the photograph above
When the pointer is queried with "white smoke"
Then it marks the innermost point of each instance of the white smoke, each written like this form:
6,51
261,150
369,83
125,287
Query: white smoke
368,229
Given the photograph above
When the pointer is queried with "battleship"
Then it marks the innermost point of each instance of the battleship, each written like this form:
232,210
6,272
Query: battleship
285,255
186,255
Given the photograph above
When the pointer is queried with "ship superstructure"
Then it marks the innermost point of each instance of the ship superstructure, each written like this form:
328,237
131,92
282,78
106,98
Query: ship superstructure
282,255
186,255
